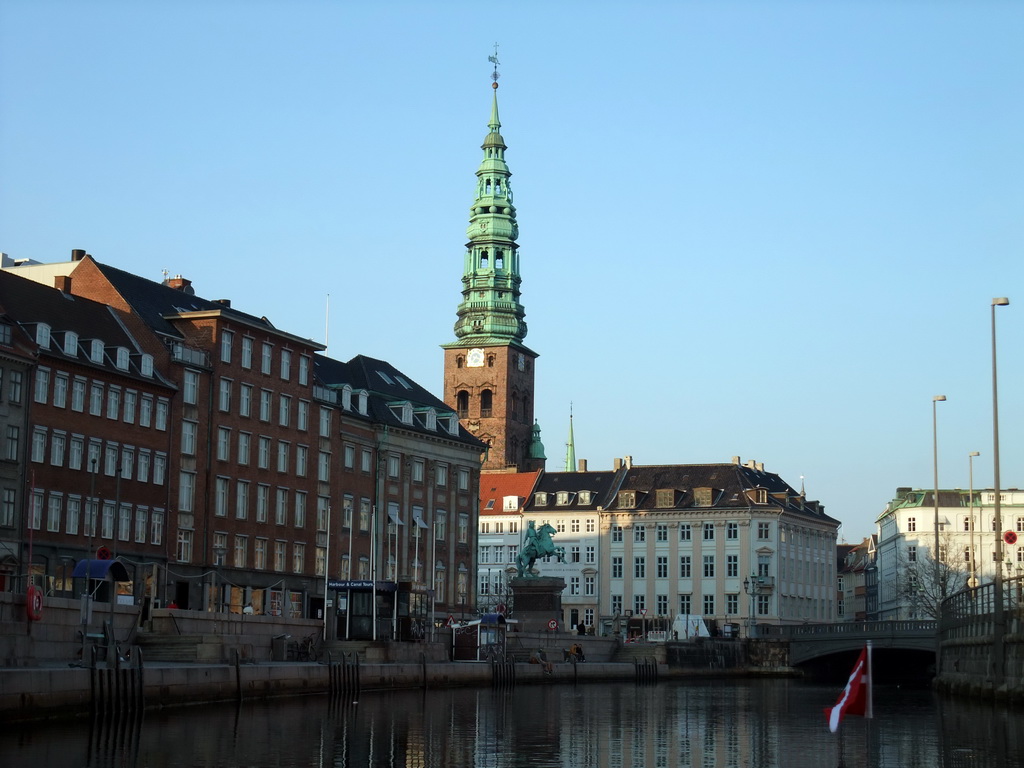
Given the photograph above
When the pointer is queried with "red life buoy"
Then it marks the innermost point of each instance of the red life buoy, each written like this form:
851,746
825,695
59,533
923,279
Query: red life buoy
34,603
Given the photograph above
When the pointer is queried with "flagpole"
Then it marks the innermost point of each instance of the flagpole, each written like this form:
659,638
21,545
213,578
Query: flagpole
869,710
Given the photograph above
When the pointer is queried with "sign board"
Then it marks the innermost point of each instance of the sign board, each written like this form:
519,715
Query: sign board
451,621
553,624
1010,537
643,611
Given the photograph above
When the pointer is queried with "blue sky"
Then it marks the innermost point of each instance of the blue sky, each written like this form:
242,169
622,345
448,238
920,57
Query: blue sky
767,229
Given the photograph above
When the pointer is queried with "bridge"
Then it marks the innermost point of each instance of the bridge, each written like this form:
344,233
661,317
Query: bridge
814,641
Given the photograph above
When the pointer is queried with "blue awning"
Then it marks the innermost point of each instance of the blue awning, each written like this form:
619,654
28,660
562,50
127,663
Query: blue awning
99,569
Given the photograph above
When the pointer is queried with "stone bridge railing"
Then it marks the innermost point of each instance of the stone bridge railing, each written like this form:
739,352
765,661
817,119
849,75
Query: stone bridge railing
811,641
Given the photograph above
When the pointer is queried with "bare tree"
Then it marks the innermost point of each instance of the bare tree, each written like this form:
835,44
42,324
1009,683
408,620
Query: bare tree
922,584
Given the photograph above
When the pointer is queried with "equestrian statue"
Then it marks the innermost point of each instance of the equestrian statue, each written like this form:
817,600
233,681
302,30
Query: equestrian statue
538,544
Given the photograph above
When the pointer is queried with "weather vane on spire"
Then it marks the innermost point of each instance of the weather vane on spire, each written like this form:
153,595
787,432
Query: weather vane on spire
494,60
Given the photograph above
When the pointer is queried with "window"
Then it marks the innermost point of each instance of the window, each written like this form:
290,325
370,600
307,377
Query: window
57,445
226,340
284,410
241,551
186,491
590,525
616,533
300,509
247,352
661,605
223,444
912,522
245,400
662,567
418,470
685,567
323,467
732,565
394,466
440,522
616,567
590,555
74,514
301,460
224,396
463,479
263,455
463,528
574,585
685,532
281,507
162,408
639,567
131,399
60,390
266,358
78,395
732,531
282,456
42,393
14,390
639,534
298,557
732,603
244,446
53,510
95,399
616,605
589,586
114,403
302,416
709,531
661,532
364,514
12,442
159,468
763,531
266,401
709,566
286,364
184,553
145,410
262,502
188,437
221,497
190,388
441,475
303,370
639,604
347,507
574,554
763,604
709,605
279,554
141,525
39,444
242,500
912,554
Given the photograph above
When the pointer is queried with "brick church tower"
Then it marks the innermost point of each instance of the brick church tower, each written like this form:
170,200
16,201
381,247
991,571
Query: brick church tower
488,371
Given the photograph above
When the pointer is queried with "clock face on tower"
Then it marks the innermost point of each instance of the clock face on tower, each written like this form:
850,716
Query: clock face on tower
475,358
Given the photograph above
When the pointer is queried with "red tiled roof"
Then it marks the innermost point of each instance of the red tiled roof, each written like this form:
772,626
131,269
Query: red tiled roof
494,487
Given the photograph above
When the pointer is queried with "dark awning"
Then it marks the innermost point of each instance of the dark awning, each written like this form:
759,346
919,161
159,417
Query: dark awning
98,569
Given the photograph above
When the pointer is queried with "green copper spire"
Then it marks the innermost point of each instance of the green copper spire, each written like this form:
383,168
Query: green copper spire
570,448
490,313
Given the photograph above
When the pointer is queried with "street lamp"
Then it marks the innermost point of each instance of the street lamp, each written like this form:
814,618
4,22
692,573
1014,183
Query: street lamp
997,607
935,497
750,587
974,557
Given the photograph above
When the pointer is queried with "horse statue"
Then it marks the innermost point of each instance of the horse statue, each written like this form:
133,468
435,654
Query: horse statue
538,544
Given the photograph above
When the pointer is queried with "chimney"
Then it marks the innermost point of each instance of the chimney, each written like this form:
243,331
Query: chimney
736,460
583,465
225,302
629,462
77,254
179,283
617,464
759,466
62,283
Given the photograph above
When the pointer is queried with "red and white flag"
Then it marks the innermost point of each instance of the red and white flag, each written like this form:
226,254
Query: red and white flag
856,696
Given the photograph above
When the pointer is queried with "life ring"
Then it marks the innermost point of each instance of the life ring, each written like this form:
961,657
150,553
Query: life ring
34,603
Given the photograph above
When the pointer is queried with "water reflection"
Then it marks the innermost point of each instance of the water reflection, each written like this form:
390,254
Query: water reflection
755,724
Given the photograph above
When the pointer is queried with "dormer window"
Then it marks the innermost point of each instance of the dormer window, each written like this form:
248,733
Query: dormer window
665,497
627,498
585,497
146,366
386,378
122,358
361,399
346,397
403,411
96,351
43,335
540,499
562,498
71,343
702,497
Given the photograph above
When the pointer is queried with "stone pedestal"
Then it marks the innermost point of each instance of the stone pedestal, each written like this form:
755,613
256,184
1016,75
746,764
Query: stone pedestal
536,601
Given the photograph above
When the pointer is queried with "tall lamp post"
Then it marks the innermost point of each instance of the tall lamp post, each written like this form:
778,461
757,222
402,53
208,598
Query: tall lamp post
997,645
970,500
935,496
750,587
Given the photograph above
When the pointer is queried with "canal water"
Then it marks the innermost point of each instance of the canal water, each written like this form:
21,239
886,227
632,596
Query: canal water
706,724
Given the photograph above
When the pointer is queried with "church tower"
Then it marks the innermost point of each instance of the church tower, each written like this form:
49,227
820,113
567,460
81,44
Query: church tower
488,371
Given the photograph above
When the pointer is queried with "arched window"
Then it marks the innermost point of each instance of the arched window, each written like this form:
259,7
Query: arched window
486,398
462,404
484,258
459,361
490,361
499,259
515,405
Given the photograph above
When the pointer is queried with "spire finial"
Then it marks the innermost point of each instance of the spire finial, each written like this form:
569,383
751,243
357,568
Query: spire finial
495,74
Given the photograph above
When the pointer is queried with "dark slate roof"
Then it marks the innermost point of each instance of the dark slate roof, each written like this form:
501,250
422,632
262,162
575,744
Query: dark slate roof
602,487
154,302
30,303
729,483
388,386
